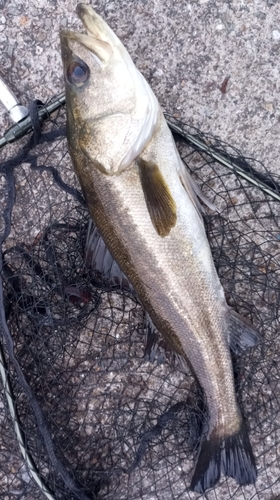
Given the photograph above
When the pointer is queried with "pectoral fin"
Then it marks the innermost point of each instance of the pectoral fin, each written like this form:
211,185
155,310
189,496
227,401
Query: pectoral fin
160,203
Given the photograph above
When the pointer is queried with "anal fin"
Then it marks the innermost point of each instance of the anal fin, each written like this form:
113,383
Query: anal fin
155,347
158,349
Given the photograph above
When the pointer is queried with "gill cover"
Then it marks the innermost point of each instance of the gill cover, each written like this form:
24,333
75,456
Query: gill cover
114,111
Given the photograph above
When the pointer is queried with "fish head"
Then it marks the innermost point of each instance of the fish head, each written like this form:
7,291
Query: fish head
111,110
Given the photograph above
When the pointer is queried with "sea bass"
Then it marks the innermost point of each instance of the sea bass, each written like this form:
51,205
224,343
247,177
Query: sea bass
144,204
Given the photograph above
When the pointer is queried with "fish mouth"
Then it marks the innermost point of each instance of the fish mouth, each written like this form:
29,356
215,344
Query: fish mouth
94,24
100,39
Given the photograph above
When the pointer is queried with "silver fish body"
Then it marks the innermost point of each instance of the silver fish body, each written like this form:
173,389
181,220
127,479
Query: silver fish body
145,207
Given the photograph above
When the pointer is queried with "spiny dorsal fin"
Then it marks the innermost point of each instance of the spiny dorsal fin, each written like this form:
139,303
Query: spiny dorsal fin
193,190
160,204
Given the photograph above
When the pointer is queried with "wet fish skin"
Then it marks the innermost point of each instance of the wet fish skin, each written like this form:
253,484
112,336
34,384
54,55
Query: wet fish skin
144,205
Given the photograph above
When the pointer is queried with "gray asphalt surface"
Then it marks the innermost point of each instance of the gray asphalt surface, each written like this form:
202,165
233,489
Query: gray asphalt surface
185,50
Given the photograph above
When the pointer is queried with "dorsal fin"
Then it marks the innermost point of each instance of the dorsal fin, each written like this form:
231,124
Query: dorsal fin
193,190
242,334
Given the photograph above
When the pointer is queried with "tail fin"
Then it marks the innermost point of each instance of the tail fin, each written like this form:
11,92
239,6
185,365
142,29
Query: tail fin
229,455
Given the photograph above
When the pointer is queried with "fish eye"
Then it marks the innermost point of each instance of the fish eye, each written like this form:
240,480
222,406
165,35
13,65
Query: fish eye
77,73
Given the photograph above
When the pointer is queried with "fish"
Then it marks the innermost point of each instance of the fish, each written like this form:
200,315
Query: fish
149,230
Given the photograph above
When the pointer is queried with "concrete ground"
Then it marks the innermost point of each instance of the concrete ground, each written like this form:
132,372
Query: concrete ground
185,50
213,64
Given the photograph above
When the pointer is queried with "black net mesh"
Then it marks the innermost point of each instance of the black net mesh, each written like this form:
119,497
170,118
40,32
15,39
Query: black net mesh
91,417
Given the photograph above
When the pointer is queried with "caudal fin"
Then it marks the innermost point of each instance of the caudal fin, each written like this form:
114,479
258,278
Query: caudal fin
231,456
